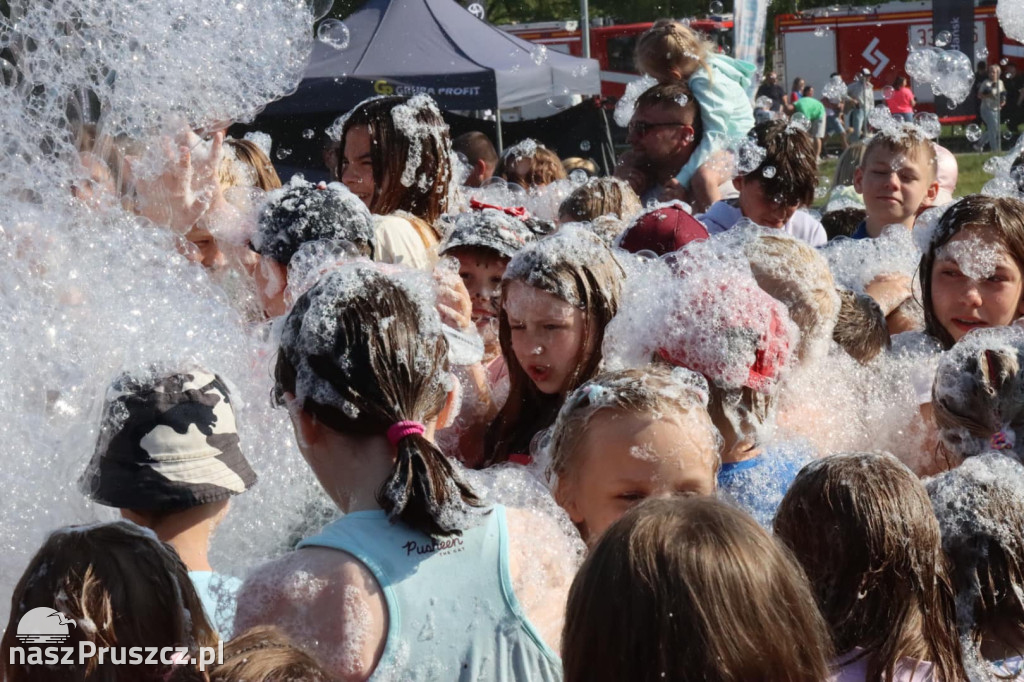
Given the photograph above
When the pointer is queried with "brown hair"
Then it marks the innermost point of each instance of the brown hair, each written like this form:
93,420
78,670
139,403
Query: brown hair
674,95
691,589
123,588
789,152
391,150
545,166
907,140
849,161
1004,214
583,272
265,654
978,395
668,45
863,529
358,376
599,197
249,155
655,389
476,146
980,507
843,222
861,329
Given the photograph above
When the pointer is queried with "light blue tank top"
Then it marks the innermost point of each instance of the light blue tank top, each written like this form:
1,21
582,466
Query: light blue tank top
452,614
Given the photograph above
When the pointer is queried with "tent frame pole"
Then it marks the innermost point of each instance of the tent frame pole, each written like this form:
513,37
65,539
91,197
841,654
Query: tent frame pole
497,130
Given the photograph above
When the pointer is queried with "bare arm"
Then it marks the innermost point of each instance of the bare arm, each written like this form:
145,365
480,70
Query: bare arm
327,602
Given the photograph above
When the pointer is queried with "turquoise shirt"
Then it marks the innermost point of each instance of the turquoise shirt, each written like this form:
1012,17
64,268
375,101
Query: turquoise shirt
452,613
219,594
725,109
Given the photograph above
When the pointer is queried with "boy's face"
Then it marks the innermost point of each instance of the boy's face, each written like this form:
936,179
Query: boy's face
894,185
481,273
759,207
624,458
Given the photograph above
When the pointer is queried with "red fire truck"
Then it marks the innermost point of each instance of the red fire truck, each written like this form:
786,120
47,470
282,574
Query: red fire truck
816,43
613,45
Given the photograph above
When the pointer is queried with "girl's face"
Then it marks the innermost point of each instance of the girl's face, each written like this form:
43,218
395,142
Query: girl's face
547,336
271,280
975,282
356,167
624,458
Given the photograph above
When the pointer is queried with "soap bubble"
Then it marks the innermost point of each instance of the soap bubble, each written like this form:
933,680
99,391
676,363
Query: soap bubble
822,31
585,146
627,103
320,8
335,33
768,172
920,64
1011,18
283,153
835,89
763,102
800,121
972,132
887,92
1001,187
943,38
950,73
579,177
308,133
981,54
8,74
715,7
747,155
929,124
539,54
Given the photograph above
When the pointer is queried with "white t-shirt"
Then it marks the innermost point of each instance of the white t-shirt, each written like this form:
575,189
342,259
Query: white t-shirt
397,241
724,214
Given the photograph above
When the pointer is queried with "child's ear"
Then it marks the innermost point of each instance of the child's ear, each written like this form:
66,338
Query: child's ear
737,182
566,499
933,191
858,179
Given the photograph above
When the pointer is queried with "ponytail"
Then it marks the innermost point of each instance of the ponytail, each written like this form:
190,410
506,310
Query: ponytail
359,377
423,490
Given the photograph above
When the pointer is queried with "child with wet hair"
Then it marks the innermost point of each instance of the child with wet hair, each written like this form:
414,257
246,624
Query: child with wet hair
629,435
896,176
530,164
980,508
771,194
714,319
557,296
117,586
326,216
978,396
265,654
245,164
483,240
150,418
600,197
862,527
690,589
671,52
363,369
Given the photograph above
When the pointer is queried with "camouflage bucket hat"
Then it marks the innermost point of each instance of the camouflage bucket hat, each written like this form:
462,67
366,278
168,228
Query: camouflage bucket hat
167,443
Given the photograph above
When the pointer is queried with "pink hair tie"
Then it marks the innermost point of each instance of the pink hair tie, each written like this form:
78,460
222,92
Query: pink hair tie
399,430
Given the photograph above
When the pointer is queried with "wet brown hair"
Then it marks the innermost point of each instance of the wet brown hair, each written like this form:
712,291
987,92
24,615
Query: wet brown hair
860,330
668,45
790,152
124,588
389,152
862,527
1004,214
981,513
907,140
691,589
593,282
545,167
265,654
379,375
248,154
600,197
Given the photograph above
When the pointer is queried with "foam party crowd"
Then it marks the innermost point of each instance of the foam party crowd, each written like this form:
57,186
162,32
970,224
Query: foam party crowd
465,415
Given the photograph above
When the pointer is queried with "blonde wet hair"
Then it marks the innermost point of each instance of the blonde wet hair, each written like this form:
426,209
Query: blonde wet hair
669,44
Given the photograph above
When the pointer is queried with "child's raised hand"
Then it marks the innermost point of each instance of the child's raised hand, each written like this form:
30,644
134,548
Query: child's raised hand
453,301
180,186
889,291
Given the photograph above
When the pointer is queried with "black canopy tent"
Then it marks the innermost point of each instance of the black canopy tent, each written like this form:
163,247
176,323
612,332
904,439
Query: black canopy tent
435,47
